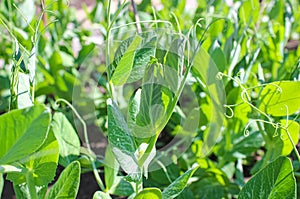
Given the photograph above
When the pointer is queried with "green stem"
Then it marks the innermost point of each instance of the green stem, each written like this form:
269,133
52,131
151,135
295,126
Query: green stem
144,157
294,146
108,30
86,138
139,186
31,185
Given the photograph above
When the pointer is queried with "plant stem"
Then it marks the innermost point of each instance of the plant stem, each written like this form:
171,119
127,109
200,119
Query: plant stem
147,152
136,17
31,185
139,186
86,138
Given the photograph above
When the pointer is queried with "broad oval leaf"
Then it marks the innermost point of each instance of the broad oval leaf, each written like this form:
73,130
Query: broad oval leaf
111,168
121,140
42,164
276,180
124,67
149,193
278,142
67,184
26,127
101,195
280,98
121,187
178,185
69,144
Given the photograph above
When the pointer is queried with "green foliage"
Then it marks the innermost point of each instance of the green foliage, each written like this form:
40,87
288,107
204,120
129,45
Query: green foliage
31,130
274,181
67,184
178,185
179,83
280,98
69,145
154,193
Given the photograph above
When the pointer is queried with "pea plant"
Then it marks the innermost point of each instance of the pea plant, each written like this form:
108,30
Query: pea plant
193,101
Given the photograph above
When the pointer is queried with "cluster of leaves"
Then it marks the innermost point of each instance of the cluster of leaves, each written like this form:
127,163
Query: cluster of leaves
242,121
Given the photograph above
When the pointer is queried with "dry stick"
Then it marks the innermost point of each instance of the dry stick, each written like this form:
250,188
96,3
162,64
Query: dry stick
136,17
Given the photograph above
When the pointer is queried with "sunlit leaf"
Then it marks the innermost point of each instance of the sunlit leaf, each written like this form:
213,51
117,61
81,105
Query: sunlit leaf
208,72
26,127
101,195
67,184
42,164
280,98
121,140
149,193
178,185
276,180
69,144
124,67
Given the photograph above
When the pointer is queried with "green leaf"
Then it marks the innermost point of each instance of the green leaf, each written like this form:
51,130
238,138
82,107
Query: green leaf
111,168
280,100
278,143
42,164
69,144
249,11
67,184
27,127
141,59
207,70
121,140
101,195
84,53
276,180
218,56
124,67
178,185
155,102
149,193
55,62
121,187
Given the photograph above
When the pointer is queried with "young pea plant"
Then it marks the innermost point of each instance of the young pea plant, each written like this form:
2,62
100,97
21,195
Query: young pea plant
162,70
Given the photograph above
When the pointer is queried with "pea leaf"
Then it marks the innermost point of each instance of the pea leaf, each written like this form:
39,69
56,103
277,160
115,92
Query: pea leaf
249,11
278,142
84,53
101,195
276,180
67,184
207,70
178,185
149,193
121,140
155,102
121,187
141,57
280,100
124,67
111,168
26,127
69,144
42,163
